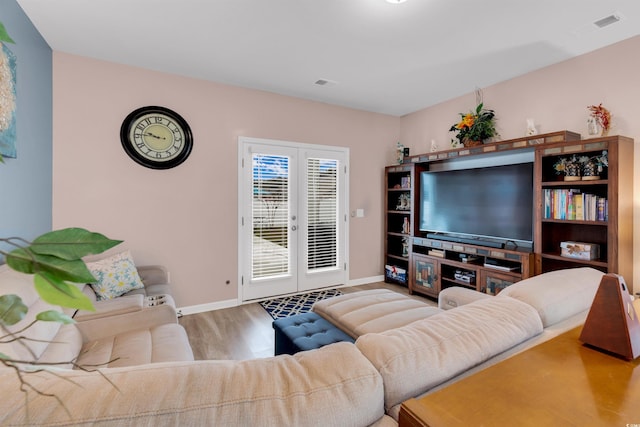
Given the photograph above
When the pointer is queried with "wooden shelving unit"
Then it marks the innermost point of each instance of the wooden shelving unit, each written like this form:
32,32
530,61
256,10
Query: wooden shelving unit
408,250
399,221
614,234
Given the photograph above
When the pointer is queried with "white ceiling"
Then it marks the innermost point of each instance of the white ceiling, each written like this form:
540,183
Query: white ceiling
387,58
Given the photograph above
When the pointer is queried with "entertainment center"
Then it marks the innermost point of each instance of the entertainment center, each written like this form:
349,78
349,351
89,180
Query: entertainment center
487,216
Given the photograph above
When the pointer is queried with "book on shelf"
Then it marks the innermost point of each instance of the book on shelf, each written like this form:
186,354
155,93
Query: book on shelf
572,204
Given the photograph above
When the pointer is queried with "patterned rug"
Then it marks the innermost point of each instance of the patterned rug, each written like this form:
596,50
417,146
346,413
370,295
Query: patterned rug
296,304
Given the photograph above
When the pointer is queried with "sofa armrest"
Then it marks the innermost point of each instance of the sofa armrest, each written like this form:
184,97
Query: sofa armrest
112,307
456,296
95,329
153,274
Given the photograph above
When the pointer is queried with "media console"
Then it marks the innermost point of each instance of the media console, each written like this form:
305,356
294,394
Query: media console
437,264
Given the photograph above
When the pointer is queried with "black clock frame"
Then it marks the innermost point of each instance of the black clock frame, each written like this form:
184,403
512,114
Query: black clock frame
127,144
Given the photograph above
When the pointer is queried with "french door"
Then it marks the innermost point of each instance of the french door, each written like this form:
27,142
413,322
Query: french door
293,217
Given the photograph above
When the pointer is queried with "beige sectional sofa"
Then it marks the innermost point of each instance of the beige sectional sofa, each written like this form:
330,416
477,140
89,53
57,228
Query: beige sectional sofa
341,384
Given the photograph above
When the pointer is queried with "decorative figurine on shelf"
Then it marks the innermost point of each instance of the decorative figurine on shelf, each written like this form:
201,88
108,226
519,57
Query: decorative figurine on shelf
405,246
531,128
404,202
405,226
400,153
434,146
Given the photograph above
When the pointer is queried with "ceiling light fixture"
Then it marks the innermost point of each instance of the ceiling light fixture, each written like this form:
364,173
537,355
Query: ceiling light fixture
396,1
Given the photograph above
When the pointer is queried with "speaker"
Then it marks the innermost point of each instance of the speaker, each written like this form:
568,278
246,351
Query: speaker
612,323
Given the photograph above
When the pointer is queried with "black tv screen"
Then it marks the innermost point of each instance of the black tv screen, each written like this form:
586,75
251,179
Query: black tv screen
494,202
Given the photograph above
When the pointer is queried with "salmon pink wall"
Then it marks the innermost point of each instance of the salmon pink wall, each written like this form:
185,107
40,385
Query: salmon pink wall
556,97
186,218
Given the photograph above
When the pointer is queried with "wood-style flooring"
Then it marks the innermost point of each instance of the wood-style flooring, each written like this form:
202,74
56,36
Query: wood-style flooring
245,332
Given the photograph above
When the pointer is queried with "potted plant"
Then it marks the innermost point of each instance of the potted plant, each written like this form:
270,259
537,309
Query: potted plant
569,167
476,127
593,166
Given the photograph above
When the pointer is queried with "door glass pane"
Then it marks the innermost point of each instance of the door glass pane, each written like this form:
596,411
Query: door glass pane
270,213
323,213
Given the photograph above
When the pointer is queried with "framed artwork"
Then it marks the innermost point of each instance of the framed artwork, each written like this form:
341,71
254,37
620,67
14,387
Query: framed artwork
7,102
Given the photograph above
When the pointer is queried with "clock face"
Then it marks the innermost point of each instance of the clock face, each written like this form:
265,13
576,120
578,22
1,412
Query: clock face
156,137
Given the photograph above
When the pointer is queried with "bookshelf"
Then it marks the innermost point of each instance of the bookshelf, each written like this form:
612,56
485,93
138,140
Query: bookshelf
399,221
606,216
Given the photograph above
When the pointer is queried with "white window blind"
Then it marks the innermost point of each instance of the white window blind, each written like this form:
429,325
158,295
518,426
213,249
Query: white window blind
322,213
270,213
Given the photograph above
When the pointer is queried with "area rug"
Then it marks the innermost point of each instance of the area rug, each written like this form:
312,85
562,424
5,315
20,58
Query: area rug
296,304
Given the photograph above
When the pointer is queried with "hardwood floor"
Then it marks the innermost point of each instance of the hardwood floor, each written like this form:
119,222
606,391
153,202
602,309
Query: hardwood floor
245,332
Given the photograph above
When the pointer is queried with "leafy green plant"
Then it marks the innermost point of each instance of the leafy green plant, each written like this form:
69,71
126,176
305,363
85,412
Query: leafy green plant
55,261
475,126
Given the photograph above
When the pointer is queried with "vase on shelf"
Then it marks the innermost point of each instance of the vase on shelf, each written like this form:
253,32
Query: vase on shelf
593,128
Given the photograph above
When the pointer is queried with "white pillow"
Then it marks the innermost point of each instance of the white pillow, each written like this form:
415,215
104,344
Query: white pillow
116,276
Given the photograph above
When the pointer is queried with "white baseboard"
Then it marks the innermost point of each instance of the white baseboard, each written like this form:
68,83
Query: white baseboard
201,308
366,280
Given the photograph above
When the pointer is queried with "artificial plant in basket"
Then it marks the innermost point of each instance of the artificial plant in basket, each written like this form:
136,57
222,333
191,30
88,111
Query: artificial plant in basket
475,127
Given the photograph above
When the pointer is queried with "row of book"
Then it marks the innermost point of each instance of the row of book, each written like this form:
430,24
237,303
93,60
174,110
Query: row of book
572,204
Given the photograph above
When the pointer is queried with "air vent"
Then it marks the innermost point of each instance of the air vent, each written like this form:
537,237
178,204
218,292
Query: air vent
606,21
324,82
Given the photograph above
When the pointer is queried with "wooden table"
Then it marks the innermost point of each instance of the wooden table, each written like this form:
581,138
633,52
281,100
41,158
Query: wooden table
557,383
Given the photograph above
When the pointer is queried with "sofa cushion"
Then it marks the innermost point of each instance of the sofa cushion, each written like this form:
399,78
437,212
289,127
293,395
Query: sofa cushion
557,295
375,310
40,333
333,386
167,342
115,276
419,356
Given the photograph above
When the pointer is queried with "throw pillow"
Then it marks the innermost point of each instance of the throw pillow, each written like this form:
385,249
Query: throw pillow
116,276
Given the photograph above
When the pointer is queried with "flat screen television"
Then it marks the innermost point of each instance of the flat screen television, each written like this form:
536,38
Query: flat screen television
494,203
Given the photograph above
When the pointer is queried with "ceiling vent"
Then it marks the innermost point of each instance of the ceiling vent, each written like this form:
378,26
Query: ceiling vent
324,82
606,21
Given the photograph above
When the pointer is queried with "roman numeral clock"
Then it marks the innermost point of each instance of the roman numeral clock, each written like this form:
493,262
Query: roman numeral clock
156,137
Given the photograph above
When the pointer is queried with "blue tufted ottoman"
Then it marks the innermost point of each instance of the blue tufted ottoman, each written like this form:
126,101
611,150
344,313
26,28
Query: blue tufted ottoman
305,331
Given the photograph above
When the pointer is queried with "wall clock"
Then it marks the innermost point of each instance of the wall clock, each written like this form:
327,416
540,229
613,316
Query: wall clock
156,137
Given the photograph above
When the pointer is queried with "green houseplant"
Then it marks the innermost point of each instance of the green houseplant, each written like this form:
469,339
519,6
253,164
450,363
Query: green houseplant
475,127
